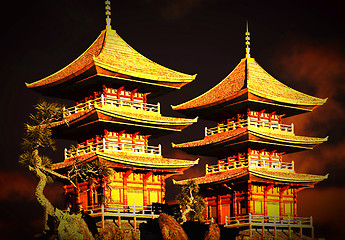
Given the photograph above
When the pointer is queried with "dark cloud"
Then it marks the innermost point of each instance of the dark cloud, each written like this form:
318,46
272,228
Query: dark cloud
325,205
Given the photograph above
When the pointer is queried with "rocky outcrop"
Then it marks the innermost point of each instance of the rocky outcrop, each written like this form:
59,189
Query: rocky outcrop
213,232
170,228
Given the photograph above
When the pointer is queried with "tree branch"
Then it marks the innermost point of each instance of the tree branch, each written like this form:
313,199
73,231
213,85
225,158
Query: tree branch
57,174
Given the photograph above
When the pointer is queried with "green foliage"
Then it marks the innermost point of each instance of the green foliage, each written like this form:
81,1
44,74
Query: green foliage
191,202
90,170
38,134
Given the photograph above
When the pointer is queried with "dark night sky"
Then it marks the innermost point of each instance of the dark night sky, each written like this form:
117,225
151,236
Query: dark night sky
298,42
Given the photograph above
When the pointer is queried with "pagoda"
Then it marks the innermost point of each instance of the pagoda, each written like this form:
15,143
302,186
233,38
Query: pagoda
251,189
112,121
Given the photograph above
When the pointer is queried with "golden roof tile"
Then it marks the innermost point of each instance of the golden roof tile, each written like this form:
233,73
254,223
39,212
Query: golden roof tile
112,56
253,134
250,77
136,160
281,176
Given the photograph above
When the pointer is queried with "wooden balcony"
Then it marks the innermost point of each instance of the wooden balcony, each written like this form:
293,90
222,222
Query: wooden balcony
111,146
119,211
249,122
271,164
268,222
112,101
225,166
250,163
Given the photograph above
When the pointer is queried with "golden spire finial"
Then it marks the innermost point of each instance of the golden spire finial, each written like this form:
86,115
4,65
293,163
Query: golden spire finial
247,34
108,13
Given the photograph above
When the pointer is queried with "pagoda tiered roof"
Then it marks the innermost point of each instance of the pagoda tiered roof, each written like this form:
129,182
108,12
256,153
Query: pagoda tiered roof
241,138
133,161
90,121
255,174
111,61
249,86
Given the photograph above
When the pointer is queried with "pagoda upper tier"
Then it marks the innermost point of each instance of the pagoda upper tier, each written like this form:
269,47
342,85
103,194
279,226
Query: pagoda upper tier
249,86
250,130
110,61
116,110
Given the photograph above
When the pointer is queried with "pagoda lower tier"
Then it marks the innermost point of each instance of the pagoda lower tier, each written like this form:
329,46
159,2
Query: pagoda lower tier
255,196
139,172
237,136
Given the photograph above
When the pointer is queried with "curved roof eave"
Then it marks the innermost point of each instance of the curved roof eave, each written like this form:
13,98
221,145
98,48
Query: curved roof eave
248,74
220,92
119,57
67,72
258,79
295,177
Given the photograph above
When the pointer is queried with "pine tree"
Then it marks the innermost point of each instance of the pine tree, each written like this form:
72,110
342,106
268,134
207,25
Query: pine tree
38,136
192,204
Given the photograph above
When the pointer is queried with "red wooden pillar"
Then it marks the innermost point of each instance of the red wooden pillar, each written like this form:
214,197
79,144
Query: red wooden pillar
249,198
267,188
295,203
234,203
281,203
162,179
219,210
125,176
145,192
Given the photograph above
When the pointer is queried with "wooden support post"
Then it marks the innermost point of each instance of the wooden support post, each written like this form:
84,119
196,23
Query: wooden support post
119,221
135,223
312,232
102,215
275,232
263,231
219,210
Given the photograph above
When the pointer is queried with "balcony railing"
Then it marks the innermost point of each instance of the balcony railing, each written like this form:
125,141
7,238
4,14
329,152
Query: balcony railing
105,145
111,101
270,125
250,163
259,220
271,164
120,210
249,122
226,166
225,127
